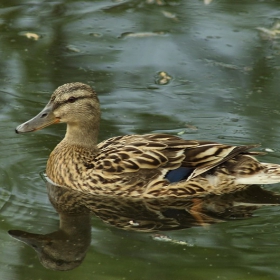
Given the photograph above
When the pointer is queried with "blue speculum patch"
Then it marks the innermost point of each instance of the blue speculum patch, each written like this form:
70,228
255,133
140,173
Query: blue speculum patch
178,174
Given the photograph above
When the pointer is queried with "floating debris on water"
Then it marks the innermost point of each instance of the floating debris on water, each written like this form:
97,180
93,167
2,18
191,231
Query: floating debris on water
73,48
162,78
30,35
141,34
170,15
164,238
95,34
272,33
181,132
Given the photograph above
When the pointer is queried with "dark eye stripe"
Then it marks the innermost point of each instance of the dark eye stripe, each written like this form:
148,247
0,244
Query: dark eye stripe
58,104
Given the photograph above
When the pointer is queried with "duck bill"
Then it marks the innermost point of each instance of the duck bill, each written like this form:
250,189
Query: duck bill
28,238
43,119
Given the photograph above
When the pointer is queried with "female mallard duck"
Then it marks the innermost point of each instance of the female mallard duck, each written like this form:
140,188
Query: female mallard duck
151,165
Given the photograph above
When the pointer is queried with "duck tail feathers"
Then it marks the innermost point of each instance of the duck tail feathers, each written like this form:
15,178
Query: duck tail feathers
269,173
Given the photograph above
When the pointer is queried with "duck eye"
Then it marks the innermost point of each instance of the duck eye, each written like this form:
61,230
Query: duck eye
71,99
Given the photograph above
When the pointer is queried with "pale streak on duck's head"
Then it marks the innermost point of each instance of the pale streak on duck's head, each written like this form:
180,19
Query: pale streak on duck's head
75,104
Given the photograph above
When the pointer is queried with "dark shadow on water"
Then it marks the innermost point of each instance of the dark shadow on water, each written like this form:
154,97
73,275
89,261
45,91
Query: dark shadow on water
66,248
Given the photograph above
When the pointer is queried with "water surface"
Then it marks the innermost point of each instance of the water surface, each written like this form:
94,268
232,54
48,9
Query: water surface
224,86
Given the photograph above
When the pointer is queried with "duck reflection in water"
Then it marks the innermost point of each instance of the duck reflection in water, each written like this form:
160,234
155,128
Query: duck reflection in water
66,248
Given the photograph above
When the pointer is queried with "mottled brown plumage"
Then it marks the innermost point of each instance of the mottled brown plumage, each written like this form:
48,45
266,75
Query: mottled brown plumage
139,165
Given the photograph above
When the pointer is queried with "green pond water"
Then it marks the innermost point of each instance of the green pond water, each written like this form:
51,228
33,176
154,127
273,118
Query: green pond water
203,71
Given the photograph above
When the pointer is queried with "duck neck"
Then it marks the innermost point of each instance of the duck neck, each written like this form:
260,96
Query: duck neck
84,135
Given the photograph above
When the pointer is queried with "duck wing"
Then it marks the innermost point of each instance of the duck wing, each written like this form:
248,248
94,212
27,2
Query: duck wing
173,155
